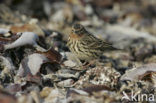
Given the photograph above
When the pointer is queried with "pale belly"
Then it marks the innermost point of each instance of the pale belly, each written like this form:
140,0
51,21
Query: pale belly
87,56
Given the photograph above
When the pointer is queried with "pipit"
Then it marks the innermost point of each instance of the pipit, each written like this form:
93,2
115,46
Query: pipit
86,46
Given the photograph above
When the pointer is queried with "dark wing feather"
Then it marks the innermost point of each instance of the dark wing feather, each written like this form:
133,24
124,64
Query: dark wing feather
99,44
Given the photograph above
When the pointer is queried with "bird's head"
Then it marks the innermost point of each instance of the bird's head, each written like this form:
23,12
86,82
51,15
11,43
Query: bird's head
78,29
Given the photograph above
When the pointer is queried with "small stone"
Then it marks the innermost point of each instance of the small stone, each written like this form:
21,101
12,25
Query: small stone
45,92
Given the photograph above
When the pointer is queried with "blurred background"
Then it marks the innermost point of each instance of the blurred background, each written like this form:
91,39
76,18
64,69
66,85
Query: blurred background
138,14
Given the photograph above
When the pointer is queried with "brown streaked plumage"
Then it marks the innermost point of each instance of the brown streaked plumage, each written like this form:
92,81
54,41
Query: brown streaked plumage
86,46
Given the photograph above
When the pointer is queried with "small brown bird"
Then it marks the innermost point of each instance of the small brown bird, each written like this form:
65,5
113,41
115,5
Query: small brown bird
86,46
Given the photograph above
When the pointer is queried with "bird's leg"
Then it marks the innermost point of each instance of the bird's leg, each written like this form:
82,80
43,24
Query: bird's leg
91,63
84,62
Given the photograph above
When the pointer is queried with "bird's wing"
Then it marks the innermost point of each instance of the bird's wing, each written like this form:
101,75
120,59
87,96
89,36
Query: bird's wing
99,44
102,45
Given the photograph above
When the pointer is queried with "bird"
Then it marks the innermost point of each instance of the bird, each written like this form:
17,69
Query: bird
84,45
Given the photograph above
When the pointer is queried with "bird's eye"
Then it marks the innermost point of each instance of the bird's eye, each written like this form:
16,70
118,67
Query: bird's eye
77,26
77,32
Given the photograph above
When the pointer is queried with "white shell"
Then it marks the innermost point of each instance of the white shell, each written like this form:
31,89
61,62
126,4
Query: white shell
31,64
27,38
134,73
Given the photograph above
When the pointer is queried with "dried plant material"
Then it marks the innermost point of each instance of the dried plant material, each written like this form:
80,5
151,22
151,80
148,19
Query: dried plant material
69,63
74,2
153,78
8,38
72,91
100,97
54,96
151,59
96,88
67,73
25,99
126,32
82,99
131,19
6,74
34,78
5,97
99,76
79,12
39,48
72,58
31,64
64,14
141,52
14,88
138,73
31,27
9,16
101,3
35,96
45,92
5,41
52,55
66,83
26,38
7,63
31,97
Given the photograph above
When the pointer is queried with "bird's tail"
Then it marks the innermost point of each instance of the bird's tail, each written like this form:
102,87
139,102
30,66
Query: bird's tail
112,48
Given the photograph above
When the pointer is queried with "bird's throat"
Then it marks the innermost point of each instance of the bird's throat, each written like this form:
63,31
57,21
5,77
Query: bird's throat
76,36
